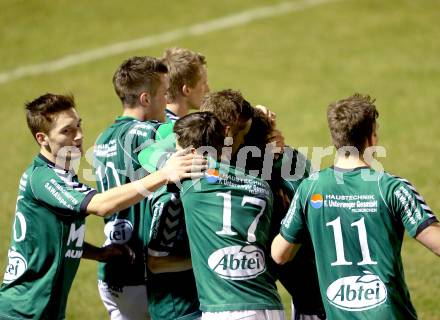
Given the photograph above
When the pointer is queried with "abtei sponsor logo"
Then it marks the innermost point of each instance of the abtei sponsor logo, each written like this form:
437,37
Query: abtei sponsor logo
17,265
357,293
118,231
237,262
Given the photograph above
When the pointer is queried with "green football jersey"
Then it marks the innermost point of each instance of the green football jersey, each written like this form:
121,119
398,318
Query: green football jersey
227,217
154,156
171,295
116,163
357,221
46,245
170,116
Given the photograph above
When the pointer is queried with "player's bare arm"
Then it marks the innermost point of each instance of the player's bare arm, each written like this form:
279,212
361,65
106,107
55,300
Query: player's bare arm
107,253
181,165
430,237
283,251
169,264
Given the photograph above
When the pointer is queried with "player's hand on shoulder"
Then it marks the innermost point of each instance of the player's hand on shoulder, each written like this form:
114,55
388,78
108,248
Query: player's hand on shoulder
276,140
272,116
185,164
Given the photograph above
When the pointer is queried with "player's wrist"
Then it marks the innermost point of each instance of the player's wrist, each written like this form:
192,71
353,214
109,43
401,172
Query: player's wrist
164,175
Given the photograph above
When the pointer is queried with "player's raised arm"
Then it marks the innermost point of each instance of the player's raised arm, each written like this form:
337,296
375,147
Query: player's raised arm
180,166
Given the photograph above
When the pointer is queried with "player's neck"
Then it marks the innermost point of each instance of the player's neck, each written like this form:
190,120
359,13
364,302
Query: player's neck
137,113
61,163
349,162
180,107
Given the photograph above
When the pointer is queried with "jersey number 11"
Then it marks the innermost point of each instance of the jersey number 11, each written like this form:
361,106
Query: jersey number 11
339,243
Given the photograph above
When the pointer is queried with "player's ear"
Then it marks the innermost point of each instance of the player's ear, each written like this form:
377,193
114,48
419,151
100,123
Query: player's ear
193,150
144,98
42,139
186,90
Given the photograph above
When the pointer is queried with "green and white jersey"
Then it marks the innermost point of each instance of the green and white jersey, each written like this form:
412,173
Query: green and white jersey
47,242
116,163
166,223
227,217
170,116
154,156
171,295
357,221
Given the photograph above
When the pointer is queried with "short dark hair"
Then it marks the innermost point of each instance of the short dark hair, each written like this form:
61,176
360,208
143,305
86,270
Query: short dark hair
257,137
228,105
260,129
41,112
135,75
352,120
183,68
200,129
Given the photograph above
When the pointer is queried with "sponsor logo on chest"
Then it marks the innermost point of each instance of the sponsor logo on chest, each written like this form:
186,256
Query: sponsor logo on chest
364,203
212,175
237,262
357,293
118,231
316,201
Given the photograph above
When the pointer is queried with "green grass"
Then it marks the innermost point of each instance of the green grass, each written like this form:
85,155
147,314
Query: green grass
294,63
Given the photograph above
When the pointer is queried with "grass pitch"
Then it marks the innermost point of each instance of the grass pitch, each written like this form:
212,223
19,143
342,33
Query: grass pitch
295,63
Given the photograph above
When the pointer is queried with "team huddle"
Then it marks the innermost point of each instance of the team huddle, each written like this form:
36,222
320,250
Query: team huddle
204,211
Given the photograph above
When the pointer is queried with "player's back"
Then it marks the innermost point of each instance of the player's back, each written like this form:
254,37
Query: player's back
357,220
116,163
228,219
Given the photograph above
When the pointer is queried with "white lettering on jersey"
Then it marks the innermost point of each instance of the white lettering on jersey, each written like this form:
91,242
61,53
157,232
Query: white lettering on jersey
17,265
75,254
76,235
57,195
357,293
19,236
237,262
366,203
107,150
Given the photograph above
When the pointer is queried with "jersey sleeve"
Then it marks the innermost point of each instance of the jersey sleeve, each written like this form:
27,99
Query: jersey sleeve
293,226
167,232
410,207
154,156
60,191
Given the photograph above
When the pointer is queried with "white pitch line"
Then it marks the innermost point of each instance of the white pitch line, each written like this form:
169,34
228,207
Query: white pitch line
242,18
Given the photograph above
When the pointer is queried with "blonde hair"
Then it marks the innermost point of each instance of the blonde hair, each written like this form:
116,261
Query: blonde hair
183,69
